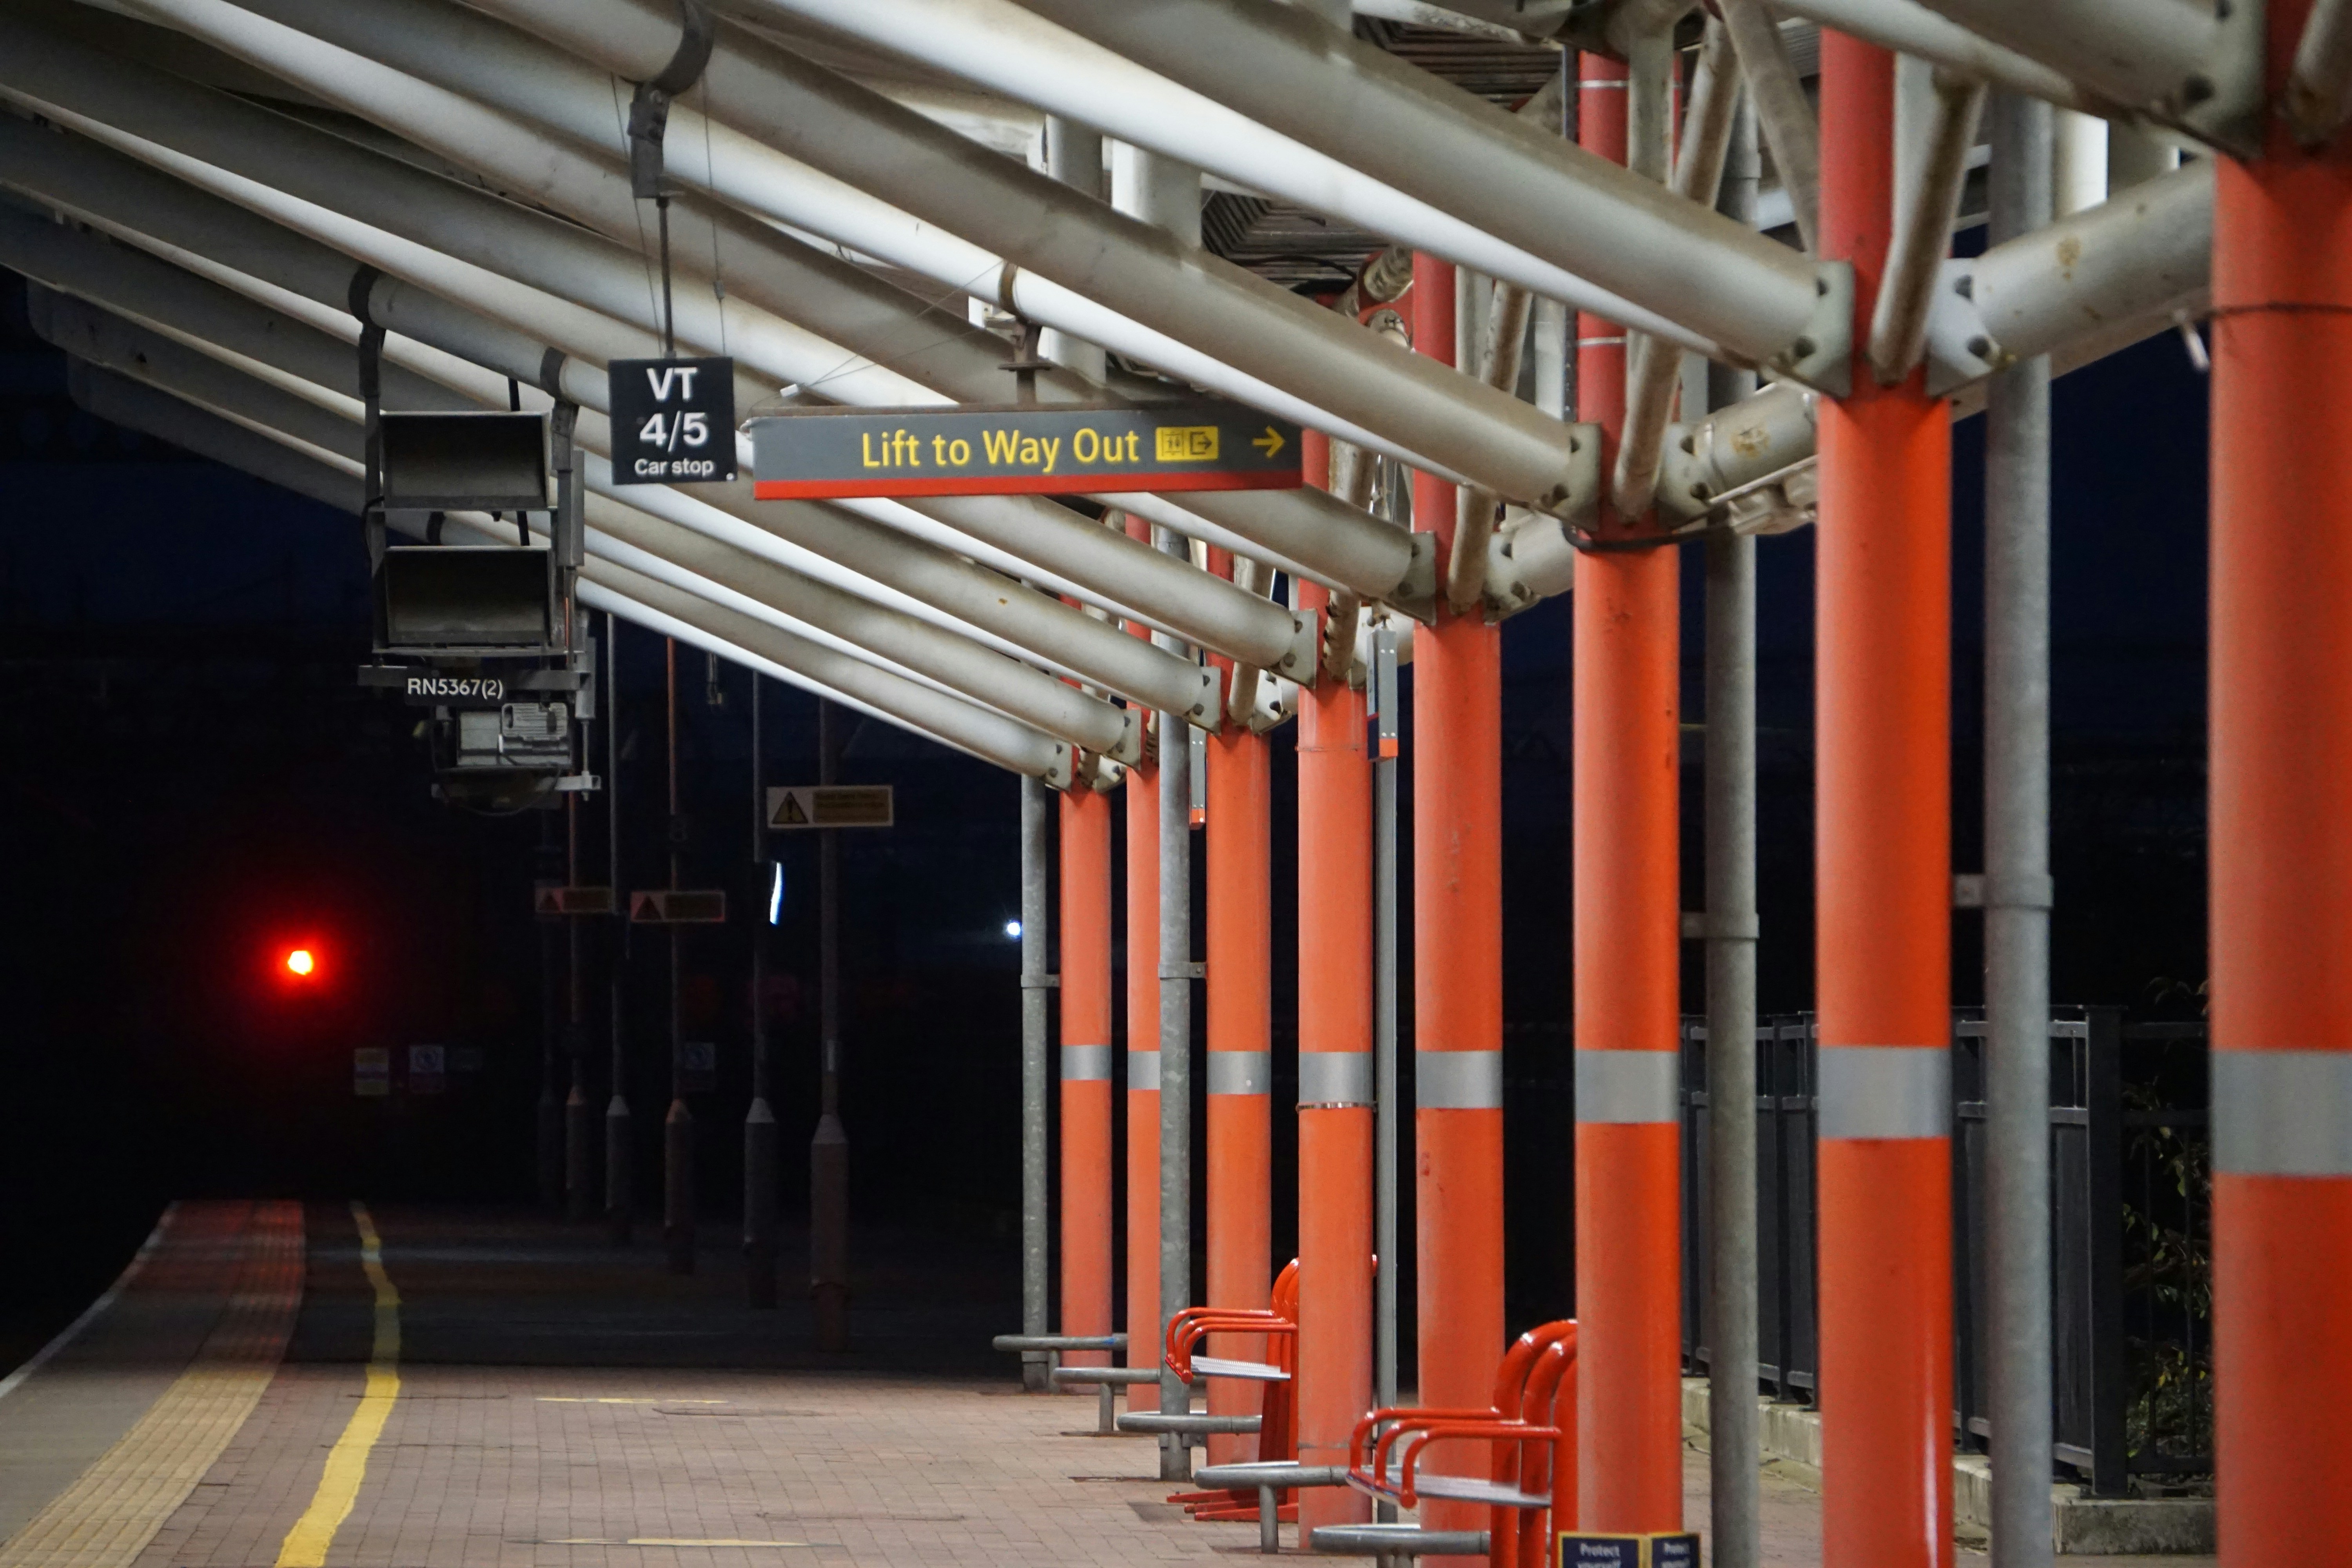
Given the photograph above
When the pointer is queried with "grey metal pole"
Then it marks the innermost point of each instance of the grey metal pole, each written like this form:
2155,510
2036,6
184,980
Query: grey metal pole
1036,1208
829,1149
2017,884
617,1127
1175,1042
1167,195
550,863
1734,1423
579,1117
763,1141
1386,1119
677,1126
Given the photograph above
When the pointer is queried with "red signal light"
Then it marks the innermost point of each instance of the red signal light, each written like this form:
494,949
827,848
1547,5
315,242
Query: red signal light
301,963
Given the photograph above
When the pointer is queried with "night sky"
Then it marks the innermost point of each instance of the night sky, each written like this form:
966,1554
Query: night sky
192,783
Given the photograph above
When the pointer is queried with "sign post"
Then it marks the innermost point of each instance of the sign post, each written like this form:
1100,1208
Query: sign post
1056,450
673,420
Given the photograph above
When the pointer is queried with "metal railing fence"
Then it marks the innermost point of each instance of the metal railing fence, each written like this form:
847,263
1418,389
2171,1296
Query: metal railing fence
2131,1234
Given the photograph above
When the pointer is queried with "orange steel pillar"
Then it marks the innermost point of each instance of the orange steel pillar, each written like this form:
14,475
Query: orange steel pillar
2282,836
1085,1070
1142,791
1627,794
1335,1072
1457,909
1240,1047
1884,886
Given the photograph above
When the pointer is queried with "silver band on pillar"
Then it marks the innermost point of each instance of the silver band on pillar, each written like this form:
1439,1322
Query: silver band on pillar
1331,1080
1457,1080
1086,1064
1628,1087
1143,1070
2282,1113
1884,1092
1240,1072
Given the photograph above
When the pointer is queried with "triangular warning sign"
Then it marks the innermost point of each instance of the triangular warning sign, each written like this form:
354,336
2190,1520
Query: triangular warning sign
790,815
644,906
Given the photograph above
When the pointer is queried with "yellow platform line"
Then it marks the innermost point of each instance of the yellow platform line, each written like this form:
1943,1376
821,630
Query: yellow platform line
115,1508
338,1484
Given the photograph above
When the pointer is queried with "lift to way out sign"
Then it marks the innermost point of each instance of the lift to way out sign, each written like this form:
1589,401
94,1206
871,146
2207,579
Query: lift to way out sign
1055,449
830,805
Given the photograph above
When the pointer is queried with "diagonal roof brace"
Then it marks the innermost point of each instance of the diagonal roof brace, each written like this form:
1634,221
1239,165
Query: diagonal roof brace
2147,248
1206,609
2195,66
1353,384
1288,69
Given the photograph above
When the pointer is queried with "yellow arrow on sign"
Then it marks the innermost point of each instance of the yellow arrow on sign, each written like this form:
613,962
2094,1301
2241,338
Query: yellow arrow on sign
1270,443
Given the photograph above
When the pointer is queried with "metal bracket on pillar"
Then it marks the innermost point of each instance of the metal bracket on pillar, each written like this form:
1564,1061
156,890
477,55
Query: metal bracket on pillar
1822,356
1130,738
1535,558
2225,104
1961,350
1416,594
1305,657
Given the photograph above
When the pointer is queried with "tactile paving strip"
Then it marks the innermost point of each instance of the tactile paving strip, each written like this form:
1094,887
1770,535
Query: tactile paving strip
107,1517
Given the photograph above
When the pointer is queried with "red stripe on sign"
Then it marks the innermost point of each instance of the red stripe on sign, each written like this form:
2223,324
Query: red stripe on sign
1024,484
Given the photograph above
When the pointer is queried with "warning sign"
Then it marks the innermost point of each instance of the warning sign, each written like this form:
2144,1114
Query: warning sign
551,898
371,1072
830,805
679,906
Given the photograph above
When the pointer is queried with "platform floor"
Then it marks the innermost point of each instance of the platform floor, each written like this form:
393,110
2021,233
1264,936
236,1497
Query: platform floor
545,1399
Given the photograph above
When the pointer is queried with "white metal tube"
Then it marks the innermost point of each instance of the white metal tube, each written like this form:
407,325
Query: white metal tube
2137,53
457,220
1004,741
1216,309
747,585
972,601
1782,111
1911,28
1653,367
1014,52
438,75
2151,245
1202,608
1295,73
1898,321
476,55
904,703
134,283
2078,162
2319,87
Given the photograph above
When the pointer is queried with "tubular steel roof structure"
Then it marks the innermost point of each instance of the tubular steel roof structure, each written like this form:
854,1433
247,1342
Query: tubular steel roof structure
1548,286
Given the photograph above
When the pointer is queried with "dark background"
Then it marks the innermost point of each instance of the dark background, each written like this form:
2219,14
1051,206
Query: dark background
191,783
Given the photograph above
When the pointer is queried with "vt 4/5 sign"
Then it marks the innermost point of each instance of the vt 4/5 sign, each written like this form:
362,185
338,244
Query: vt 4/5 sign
673,420
1055,449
